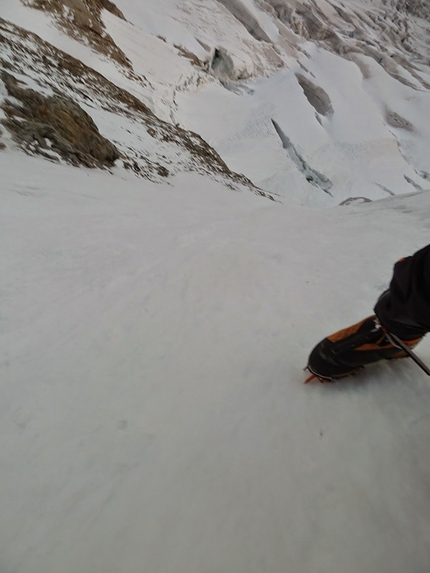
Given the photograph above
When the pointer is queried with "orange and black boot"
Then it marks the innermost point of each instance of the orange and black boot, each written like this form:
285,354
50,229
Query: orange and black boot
348,350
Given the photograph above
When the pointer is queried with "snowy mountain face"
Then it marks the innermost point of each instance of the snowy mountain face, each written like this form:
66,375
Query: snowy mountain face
282,93
46,93
193,193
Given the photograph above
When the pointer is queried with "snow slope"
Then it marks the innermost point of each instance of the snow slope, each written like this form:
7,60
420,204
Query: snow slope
153,412
153,416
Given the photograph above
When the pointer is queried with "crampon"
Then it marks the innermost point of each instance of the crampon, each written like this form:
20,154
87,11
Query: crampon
347,351
323,379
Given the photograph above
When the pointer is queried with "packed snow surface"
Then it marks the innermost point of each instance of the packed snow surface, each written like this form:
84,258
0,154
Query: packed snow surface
153,415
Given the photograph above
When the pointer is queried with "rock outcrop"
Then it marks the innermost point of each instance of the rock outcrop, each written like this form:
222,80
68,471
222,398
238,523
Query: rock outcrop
55,125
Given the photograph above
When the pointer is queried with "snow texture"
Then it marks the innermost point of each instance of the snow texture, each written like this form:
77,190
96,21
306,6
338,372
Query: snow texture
153,416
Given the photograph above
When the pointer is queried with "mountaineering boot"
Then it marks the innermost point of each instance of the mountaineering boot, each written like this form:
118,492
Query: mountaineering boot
348,350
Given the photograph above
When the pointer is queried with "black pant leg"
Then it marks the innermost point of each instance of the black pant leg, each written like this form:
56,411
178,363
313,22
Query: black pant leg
405,308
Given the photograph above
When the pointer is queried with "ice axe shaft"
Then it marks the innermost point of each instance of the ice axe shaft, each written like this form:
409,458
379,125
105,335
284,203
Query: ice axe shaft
400,344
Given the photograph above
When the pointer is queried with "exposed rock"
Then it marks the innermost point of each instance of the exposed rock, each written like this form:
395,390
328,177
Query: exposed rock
189,56
82,19
396,120
420,8
58,124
